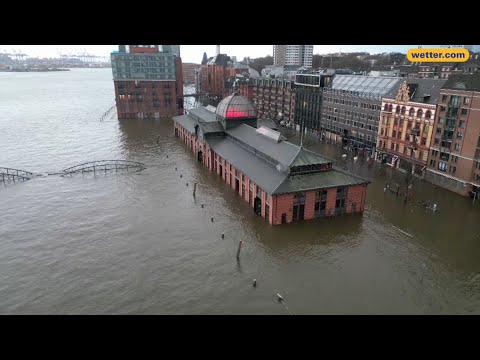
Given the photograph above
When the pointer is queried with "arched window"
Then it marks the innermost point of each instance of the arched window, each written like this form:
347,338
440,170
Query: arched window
428,114
390,107
411,112
403,110
385,108
397,110
419,113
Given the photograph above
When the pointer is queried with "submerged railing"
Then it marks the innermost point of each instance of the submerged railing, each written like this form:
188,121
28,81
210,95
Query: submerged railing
9,174
104,166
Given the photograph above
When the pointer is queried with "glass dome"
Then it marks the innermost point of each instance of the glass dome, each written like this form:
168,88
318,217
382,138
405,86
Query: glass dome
236,106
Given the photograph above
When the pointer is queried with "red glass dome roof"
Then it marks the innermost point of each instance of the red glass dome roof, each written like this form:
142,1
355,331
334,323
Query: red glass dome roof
236,106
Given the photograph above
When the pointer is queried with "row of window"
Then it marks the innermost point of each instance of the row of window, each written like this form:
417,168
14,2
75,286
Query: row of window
406,150
358,124
445,156
368,117
143,85
442,166
398,135
451,122
352,103
448,134
452,111
455,99
144,76
411,112
399,124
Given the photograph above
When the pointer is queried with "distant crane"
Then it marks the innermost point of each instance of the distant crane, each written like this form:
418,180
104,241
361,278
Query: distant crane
18,55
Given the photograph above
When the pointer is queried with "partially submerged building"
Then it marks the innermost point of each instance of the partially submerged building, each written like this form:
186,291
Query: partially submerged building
281,181
148,81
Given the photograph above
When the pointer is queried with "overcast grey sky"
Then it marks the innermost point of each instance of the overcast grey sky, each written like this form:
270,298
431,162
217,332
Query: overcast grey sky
194,53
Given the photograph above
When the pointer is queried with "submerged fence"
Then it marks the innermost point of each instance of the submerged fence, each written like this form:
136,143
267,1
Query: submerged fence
104,166
9,174
94,167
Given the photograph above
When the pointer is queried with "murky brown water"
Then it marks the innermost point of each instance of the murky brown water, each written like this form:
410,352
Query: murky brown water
139,243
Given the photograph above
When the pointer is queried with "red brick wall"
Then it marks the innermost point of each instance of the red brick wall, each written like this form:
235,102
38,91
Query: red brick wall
356,194
189,72
142,94
309,205
331,199
143,50
283,204
263,197
247,91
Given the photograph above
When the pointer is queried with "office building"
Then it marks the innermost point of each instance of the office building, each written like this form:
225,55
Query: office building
298,55
148,81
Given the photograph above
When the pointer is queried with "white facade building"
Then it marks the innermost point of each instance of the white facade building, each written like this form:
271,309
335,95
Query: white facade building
298,55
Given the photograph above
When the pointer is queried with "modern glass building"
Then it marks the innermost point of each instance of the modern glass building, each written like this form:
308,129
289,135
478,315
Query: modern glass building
351,109
308,99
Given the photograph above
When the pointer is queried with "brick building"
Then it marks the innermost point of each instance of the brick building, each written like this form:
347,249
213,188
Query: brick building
406,124
246,88
148,81
189,72
444,70
280,181
454,158
437,70
214,74
274,99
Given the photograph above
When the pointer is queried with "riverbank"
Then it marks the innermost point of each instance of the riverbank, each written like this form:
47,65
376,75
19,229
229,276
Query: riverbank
33,70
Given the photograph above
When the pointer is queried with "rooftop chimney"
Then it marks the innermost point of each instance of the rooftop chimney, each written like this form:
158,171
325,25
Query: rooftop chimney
218,49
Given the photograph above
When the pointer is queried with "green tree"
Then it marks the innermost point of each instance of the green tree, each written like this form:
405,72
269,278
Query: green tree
260,63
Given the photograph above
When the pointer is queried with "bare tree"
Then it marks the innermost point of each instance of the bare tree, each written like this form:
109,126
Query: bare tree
408,179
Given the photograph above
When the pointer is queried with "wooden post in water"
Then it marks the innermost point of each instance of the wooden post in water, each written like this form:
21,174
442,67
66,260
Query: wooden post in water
194,188
239,248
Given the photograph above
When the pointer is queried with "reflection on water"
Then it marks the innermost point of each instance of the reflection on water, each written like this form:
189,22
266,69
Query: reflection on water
140,243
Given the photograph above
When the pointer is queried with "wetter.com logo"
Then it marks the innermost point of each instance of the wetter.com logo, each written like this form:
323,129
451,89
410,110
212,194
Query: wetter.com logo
438,55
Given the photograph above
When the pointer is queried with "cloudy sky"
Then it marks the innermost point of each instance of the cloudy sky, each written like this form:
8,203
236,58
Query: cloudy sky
194,53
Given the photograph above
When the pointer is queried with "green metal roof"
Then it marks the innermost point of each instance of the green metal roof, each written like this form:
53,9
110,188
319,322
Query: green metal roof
187,122
210,127
203,114
307,157
318,180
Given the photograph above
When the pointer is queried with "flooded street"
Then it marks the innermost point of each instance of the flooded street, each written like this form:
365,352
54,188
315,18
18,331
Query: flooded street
140,243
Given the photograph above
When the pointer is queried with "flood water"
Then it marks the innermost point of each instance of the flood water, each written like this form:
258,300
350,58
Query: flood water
139,243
